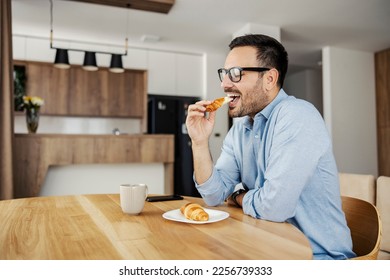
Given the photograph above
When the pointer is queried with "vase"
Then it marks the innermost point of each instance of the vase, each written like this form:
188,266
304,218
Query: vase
32,119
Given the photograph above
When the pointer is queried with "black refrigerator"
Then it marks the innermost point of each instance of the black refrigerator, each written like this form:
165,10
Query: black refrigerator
167,115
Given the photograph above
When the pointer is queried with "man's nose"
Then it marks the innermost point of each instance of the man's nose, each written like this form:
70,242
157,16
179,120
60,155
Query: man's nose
226,82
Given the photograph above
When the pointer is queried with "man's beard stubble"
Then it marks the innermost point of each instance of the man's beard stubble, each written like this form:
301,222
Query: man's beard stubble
260,100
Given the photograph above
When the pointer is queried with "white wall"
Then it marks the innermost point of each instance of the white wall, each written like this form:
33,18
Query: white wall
349,108
307,85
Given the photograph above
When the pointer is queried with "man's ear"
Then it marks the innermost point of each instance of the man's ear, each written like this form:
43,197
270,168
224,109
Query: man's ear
271,79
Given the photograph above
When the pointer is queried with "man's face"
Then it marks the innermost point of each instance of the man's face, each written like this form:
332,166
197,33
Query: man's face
249,94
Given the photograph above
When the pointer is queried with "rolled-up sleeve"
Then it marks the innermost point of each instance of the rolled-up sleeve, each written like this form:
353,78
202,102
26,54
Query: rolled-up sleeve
225,176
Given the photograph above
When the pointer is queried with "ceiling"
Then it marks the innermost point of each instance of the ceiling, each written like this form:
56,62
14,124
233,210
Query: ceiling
200,26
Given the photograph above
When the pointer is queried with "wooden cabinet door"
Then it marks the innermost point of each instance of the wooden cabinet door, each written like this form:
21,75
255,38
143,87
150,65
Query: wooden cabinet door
86,91
76,92
51,84
123,94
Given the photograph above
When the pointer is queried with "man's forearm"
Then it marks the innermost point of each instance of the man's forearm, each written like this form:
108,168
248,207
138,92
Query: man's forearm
203,163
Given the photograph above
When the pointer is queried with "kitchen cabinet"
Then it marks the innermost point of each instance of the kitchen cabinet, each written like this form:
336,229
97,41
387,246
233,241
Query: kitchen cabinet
168,72
37,152
175,74
189,75
162,73
76,92
34,49
135,59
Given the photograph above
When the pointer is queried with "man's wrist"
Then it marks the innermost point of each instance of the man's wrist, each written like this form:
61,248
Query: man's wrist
238,196
200,143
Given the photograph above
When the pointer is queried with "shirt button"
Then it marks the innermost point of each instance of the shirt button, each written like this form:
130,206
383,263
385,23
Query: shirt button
256,136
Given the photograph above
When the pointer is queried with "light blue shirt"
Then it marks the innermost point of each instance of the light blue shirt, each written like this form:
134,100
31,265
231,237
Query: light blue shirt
284,156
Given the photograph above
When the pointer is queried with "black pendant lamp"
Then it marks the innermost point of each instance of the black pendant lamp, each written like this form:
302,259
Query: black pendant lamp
62,60
90,61
116,65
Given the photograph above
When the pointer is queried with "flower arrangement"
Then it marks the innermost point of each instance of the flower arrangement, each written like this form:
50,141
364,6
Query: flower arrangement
32,102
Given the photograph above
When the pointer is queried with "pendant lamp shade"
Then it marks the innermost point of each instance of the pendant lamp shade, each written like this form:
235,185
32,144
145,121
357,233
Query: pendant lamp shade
90,61
62,60
116,65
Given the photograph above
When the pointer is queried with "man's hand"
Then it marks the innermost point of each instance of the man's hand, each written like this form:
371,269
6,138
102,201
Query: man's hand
231,202
198,126
239,199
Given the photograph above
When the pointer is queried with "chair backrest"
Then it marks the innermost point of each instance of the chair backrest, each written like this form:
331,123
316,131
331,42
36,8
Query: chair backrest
360,186
364,222
383,204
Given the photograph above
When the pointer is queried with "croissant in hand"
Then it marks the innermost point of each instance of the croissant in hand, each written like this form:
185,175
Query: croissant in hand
195,212
217,103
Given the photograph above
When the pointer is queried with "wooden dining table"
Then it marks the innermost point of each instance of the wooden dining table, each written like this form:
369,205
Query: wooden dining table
94,227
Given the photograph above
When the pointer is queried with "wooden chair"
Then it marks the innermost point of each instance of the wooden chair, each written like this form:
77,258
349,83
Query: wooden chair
366,228
361,186
383,205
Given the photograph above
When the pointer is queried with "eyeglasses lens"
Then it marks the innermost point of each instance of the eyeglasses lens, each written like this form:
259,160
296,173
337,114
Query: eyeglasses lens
222,73
235,74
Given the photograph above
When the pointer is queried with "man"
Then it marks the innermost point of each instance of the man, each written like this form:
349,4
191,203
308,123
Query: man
279,151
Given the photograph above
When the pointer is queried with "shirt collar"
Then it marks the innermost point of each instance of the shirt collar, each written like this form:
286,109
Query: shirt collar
266,112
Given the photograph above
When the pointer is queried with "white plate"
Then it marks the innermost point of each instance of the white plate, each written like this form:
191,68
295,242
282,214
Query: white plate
214,216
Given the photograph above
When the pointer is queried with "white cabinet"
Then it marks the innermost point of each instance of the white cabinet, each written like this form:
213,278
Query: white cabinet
26,48
39,50
136,59
189,75
161,73
19,48
175,74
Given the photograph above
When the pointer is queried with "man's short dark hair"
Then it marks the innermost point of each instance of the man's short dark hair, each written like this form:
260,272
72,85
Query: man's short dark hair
270,53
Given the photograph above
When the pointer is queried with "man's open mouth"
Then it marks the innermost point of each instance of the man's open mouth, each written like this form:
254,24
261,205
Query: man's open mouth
234,99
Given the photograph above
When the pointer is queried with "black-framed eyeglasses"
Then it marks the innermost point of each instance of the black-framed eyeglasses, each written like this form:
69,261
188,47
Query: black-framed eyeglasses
235,73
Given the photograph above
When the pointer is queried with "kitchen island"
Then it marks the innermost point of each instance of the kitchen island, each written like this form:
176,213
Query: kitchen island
34,153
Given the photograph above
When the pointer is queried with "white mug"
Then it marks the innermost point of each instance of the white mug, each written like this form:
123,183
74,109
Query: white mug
133,197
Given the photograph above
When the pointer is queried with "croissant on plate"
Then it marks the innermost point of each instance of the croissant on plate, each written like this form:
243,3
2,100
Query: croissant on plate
217,103
194,211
